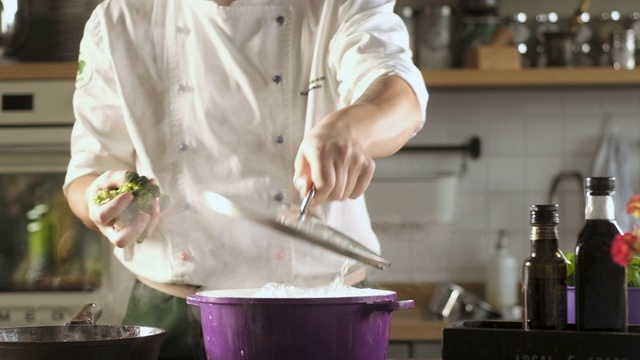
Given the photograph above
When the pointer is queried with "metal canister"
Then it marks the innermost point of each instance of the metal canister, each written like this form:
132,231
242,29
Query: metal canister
408,15
604,26
623,49
545,23
560,48
435,38
634,23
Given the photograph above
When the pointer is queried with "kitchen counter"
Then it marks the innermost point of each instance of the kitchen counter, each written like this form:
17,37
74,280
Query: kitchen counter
418,324
414,325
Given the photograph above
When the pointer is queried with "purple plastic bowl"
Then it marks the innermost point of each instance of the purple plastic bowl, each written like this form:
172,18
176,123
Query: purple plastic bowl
237,326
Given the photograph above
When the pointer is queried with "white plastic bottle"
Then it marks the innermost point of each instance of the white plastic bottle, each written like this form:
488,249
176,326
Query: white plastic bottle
502,274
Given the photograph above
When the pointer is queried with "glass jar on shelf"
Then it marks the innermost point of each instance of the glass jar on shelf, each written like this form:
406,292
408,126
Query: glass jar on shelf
545,23
634,24
522,37
604,26
435,44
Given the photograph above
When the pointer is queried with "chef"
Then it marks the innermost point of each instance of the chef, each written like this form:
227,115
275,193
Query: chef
253,98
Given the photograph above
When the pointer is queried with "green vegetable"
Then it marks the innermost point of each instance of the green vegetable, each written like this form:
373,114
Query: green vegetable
143,192
569,259
633,271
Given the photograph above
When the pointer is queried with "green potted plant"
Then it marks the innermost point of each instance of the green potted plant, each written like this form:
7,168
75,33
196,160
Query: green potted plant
625,249
633,271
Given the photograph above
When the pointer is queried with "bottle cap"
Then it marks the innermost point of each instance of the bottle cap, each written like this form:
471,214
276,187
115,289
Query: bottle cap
600,185
544,214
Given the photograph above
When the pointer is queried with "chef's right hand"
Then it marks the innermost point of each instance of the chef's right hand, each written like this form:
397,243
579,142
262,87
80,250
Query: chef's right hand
105,216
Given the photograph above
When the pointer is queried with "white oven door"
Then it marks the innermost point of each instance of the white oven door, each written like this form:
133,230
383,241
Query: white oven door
50,264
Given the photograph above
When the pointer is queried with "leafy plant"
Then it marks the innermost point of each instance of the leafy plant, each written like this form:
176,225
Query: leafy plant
633,273
569,259
633,270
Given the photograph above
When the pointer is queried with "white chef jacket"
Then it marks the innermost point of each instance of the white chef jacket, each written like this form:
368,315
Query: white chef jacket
204,97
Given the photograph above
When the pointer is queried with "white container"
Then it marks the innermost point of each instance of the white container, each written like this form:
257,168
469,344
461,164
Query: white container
413,198
502,276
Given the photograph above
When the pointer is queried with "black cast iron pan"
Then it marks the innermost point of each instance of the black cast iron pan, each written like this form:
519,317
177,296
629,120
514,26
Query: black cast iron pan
80,338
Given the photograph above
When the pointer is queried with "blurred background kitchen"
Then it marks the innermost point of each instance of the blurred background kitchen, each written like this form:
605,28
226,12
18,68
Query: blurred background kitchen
531,134
517,113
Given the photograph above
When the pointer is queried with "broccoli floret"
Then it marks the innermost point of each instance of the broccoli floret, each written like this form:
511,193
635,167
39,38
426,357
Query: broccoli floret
143,191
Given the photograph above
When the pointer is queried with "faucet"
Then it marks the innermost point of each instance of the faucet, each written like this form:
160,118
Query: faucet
567,175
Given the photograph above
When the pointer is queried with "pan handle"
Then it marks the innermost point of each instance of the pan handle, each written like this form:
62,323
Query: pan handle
88,315
389,306
193,300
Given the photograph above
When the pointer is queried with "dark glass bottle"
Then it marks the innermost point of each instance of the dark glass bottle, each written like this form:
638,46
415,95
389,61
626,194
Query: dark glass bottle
601,293
544,276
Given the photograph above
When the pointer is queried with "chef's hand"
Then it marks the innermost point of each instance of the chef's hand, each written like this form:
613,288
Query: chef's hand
105,216
332,158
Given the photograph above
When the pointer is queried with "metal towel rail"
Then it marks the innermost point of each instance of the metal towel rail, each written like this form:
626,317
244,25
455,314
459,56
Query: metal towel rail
472,147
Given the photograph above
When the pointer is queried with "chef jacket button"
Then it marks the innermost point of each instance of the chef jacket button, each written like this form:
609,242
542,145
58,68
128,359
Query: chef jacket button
185,256
181,87
276,79
186,206
279,139
183,147
280,19
280,254
278,196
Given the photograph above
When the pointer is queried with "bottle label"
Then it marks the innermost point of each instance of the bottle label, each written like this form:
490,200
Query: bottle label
599,208
541,232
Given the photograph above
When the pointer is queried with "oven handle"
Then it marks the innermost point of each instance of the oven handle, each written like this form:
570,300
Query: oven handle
33,148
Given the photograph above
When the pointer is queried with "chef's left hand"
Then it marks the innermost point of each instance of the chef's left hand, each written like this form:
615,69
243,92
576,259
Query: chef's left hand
332,158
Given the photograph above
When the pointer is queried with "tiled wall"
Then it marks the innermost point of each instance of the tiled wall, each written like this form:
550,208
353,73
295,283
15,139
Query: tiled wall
528,136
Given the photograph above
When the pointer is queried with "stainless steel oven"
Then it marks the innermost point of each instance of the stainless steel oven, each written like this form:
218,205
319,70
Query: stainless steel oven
50,264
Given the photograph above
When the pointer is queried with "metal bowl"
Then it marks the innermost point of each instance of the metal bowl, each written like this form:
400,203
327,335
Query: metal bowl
453,302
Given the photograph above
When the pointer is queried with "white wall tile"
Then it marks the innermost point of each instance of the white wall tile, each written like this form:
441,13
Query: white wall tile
506,136
528,136
546,101
571,212
582,162
543,135
473,179
627,126
583,101
433,131
471,212
507,211
537,197
505,175
460,130
500,104
582,133
466,257
540,172
620,101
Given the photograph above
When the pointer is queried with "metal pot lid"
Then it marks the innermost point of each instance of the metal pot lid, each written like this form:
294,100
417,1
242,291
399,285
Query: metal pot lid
287,219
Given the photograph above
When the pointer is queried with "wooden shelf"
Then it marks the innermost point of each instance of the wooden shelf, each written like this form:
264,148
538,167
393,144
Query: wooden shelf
38,71
453,78
469,78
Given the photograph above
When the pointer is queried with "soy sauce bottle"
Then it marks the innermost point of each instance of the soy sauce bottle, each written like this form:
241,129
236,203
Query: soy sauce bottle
601,294
544,280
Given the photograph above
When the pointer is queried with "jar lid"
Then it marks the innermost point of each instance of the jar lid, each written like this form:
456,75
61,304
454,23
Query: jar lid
600,185
544,214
